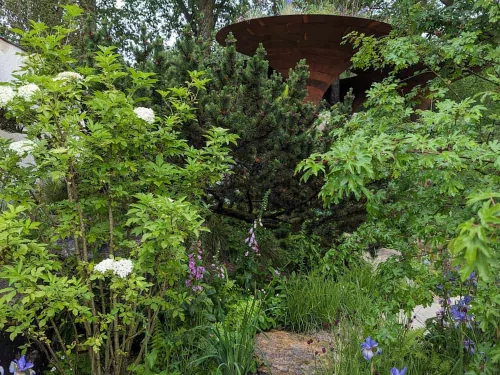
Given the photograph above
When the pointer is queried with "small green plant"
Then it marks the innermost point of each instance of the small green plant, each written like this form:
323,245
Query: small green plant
232,345
316,301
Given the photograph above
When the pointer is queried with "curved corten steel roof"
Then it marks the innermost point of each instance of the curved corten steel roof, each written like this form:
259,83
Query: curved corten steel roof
317,38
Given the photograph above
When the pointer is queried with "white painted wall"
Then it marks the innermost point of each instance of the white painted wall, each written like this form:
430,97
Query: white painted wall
13,136
9,60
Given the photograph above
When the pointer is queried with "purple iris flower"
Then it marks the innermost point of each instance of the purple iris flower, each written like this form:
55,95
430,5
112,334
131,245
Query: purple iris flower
20,365
369,348
288,2
395,371
469,346
459,311
466,300
472,279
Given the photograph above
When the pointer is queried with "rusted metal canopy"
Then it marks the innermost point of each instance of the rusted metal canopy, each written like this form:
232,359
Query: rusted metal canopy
317,38
363,79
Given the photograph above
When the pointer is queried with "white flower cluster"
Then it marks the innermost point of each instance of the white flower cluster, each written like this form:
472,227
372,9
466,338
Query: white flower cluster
68,76
6,95
27,91
146,114
122,267
20,147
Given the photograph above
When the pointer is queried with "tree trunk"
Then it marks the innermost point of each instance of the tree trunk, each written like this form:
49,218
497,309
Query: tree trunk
206,21
89,5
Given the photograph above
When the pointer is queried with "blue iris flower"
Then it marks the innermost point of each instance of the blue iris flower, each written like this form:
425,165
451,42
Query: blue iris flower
21,365
369,348
459,311
466,300
395,371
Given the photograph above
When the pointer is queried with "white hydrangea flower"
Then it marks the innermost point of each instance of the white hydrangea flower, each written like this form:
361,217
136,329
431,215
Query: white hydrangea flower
20,147
27,91
6,95
146,114
105,265
122,267
68,76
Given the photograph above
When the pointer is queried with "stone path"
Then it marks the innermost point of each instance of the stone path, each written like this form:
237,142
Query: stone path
288,353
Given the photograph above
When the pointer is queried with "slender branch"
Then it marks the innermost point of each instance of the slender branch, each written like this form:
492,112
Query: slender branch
249,200
111,224
116,337
58,334
481,77
55,359
184,10
152,324
110,208
75,237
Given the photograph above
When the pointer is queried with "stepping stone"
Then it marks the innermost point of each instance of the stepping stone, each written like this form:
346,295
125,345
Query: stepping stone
288,353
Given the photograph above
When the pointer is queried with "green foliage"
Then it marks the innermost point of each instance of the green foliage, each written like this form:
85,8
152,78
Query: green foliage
405,283
313,301
426,163
133,194
303,251
415,167
477,244
232,344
